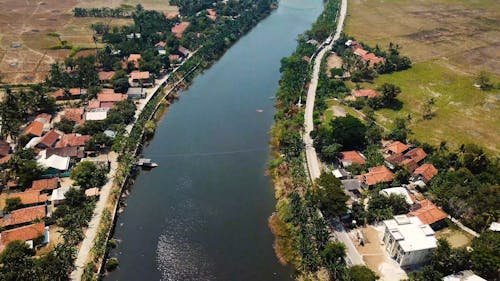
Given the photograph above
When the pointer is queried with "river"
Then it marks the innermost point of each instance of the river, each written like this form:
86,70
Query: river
202,214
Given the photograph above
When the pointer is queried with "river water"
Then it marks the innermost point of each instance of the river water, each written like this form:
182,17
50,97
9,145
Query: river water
202,214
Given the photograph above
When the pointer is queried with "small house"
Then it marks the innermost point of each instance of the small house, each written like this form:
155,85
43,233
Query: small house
34,129
376,175
425,173
45,184
134,93
352,157
429,214
178,29
49,139
140,78
26,233
106,76
365,93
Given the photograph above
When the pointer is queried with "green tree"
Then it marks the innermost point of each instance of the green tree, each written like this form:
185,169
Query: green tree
400,131
12,204
348,131
484,81
87,175
389,93
485,257
65,125
331,152
330,195
16,263
121,85
362,273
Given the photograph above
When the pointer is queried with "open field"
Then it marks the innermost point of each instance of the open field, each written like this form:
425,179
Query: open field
25,28
455,236
449,41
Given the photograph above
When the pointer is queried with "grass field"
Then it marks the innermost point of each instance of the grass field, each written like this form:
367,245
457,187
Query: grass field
27,24
449,41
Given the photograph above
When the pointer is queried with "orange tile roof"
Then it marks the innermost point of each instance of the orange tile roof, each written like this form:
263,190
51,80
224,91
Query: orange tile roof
139,75
427,171
43,118
72,140
74,114
34,128
179,29
172,15
417,154
105,75
4,148
23,215
111,97
5,159
24,233
360,52
73,92
94,104
212,14
45,184
397,147
135,59
410,164
162,44
368,93
107,104
428,213
29,197
377,175
173,57
353,157
50,138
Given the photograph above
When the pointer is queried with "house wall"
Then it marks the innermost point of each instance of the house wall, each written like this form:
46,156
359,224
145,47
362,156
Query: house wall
416,257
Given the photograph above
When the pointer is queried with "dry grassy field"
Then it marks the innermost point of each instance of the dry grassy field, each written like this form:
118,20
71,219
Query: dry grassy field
25,28
449,41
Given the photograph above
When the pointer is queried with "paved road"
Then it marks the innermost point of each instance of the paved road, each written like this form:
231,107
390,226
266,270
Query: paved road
91,232
313,163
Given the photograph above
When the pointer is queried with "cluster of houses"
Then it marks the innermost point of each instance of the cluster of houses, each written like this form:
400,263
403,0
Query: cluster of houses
57,154
366,56
409,239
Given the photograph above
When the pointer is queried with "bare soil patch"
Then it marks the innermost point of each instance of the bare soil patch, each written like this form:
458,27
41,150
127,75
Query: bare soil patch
25,28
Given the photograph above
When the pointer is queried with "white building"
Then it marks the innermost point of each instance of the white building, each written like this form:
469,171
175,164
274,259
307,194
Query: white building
401,191
465,275
408,240
97,114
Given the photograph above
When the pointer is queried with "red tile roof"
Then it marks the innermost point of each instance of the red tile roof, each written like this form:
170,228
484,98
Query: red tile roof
365,93
161,44
29,197
43,118
183,50
174,57
212,14
23,215
172,15
107,104
426,171
417,154
45,184
72,92
111,97
135,59
5,159
35,128
69,151
396,147
73,140
139,75
410,164
353,157
74,114
94,104
376,175
428,213
24,233
4,148
50,138
179,29
105,75
360,52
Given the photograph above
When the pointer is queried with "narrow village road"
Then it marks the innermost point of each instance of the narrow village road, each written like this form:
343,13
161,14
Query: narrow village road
313,162
90,234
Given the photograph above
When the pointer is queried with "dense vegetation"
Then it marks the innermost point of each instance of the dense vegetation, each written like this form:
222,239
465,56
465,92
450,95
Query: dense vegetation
484,259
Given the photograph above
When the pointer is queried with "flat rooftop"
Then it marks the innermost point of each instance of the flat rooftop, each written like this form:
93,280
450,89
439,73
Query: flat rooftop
411,233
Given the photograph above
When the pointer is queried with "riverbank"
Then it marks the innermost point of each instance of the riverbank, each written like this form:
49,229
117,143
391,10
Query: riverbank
301,233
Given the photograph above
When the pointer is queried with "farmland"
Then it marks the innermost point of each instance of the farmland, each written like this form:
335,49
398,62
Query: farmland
28,30
449,42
